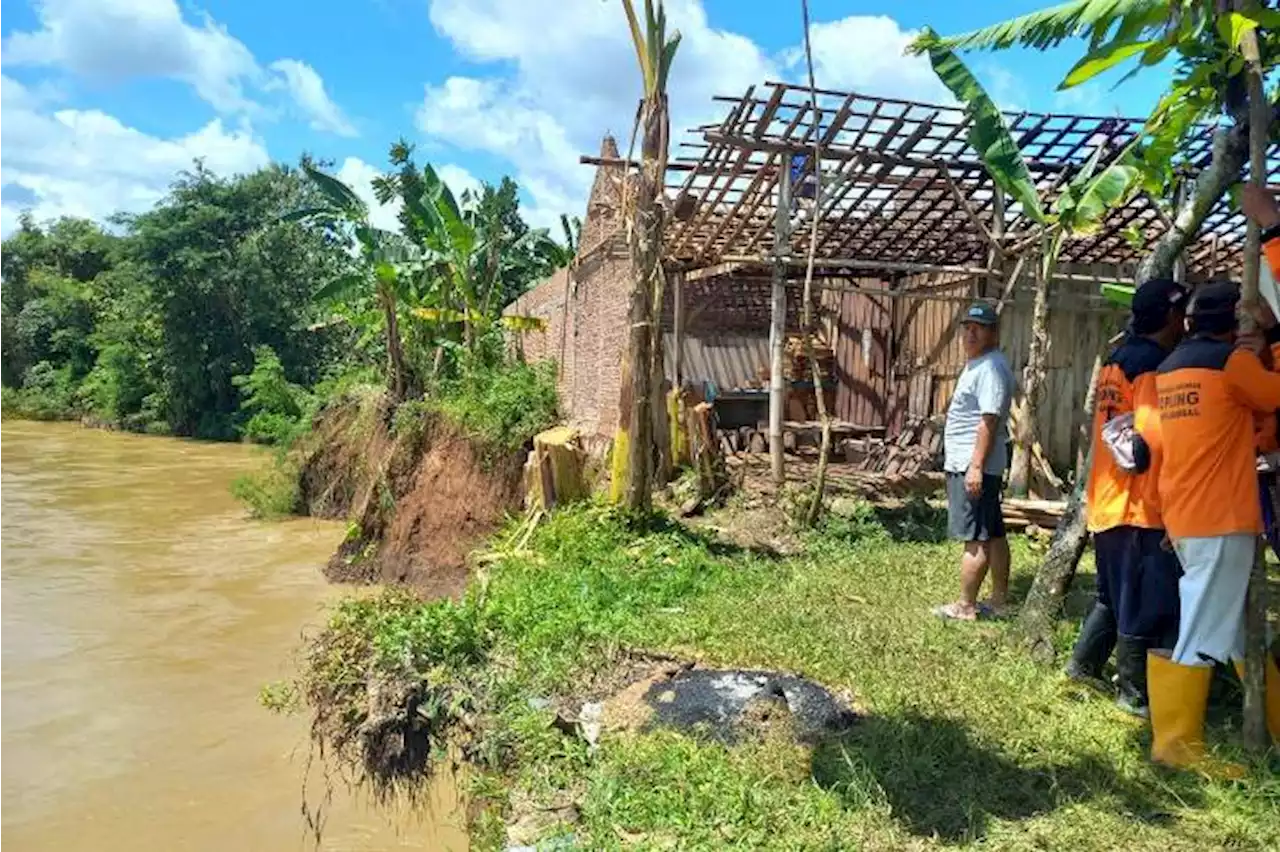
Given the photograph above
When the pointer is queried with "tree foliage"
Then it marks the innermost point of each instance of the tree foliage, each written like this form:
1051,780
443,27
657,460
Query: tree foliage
214,314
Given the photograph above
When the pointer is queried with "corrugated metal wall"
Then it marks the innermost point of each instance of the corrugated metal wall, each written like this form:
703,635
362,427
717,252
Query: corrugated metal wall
729,360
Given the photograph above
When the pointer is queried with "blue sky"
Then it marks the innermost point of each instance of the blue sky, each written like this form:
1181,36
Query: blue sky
105,100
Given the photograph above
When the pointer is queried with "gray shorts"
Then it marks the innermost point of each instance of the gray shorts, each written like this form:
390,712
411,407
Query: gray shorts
974,520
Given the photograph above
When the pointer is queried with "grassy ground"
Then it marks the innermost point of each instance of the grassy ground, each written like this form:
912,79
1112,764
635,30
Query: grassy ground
963,741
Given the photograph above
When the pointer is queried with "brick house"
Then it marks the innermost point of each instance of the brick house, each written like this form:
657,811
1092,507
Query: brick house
907,229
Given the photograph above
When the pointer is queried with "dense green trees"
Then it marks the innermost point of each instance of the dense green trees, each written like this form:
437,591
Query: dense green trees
213,315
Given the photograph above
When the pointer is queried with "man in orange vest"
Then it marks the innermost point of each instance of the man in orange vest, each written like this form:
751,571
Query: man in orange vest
1137,593
1209,392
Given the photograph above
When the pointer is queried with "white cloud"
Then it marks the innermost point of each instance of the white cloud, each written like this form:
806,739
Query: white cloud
122,39
1089,98
117,40
458,179
359,175
865,54
570,83
87,163
307,89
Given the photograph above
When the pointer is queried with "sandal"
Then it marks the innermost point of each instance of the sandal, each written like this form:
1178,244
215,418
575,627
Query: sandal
986,609
954,611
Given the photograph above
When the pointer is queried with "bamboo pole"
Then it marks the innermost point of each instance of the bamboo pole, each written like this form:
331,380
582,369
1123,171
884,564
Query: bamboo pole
995,259
1256,737
820,480
678,298
778,321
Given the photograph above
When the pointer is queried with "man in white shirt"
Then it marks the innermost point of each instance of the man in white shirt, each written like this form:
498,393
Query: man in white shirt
976,454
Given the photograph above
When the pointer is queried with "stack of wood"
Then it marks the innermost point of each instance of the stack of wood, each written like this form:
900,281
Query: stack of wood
1044,514
744,439
917,448
802,401
796,363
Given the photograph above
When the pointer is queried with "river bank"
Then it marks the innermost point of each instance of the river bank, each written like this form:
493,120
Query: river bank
960,740
142,613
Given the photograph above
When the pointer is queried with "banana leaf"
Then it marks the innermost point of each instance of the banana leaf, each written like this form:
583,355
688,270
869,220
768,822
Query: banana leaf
1118,294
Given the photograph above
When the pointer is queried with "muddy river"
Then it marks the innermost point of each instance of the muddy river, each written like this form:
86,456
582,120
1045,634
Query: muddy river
142,613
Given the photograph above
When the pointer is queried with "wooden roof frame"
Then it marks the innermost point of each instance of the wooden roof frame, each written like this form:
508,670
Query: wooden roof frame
902,189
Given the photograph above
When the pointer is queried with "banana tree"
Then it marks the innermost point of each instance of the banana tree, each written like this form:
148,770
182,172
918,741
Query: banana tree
1206,41
633,447
558,255
1102,183
384,265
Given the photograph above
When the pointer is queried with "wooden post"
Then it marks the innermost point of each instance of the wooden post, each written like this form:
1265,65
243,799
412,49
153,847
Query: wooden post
995,259
1256,736
778,318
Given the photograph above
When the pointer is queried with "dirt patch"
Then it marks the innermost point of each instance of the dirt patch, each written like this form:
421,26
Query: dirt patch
420,495
455,501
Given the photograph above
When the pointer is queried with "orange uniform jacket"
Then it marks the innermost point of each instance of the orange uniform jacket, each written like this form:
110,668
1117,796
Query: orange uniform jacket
1266,427
1208,395
1126,384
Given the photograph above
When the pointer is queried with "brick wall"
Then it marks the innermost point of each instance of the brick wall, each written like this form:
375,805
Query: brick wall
585,312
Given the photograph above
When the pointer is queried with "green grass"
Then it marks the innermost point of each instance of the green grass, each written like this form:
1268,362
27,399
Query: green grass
963,741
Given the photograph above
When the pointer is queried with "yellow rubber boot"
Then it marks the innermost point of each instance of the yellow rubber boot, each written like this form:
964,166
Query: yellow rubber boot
1179,696
1273,695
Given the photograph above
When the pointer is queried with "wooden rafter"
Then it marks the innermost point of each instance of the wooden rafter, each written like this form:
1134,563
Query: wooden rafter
904,188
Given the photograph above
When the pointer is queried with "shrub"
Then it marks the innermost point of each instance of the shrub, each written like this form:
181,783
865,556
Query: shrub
47,393
278,411
118,388
502,406
272,492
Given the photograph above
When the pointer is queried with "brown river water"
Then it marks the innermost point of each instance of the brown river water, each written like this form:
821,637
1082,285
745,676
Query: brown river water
142,613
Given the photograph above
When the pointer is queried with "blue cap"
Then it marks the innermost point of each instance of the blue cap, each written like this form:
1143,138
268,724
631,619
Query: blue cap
981,313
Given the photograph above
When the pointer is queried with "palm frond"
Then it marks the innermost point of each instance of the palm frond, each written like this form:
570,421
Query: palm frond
666,60
637,40
338,193
988,134
1050,27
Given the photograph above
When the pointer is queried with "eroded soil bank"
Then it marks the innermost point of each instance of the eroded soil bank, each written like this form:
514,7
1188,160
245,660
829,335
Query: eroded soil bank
418,494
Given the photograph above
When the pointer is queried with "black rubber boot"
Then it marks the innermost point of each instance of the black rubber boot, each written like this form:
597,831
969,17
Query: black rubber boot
1131,676
1097,639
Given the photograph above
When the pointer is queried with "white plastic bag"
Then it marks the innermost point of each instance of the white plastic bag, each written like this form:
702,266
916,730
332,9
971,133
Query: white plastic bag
1121,438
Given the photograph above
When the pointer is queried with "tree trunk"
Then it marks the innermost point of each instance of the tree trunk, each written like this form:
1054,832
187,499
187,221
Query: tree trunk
1086,423
1056,572
1256,736
1033,381
633,447
395,350
1053,579
662,461
824,449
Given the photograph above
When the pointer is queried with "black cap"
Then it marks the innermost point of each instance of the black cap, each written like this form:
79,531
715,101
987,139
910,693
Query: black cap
1158,296
1216,298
